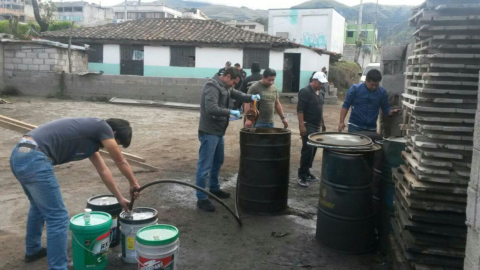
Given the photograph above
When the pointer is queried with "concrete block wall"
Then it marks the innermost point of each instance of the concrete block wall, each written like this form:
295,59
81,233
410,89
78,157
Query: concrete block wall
472,253
37,57
48,84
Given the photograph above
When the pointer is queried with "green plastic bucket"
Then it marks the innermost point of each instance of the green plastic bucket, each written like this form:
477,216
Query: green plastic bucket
157,247
90,239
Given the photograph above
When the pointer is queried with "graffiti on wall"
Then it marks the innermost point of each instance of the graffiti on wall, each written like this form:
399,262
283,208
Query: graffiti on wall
293,16
315,40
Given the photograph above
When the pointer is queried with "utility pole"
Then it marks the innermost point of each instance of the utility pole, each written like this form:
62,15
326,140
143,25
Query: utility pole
359,31
125,9
374,34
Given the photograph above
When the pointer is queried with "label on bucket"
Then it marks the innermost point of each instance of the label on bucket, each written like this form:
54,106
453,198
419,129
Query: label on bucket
131,243
166,263
96,251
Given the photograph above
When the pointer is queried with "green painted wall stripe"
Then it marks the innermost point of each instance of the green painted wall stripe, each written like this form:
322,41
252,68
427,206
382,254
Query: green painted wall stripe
109,69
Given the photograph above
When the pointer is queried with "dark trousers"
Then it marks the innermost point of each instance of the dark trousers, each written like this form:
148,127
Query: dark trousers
308,152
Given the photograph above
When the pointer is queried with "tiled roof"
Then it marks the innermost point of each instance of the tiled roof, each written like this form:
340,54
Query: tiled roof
172,30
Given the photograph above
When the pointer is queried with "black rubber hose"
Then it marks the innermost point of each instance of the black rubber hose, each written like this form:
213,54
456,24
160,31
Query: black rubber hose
167,181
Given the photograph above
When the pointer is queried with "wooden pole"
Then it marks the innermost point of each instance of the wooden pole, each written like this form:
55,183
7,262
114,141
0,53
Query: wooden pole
70,48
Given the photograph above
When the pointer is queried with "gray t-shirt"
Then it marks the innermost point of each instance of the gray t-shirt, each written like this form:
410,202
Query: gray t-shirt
71,139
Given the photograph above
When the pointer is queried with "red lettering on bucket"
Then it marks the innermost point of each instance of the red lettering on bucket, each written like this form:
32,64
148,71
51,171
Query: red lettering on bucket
156,264
103,236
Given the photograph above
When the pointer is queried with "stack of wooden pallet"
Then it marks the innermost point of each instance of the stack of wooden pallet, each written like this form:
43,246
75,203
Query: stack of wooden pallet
440,100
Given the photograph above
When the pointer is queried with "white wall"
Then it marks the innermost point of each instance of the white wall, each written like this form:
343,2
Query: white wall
111,54
276,60
338,33
157,56
310,27
217,57
310,60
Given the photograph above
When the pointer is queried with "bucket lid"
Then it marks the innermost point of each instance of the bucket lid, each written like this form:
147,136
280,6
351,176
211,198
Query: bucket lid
103,202
139,215
339,139
157,235
97,221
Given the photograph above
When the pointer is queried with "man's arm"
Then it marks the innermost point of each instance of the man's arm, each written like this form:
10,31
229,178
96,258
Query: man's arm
279,109
237,95
386,106
211,102
114,150
345,107
107,178
301,124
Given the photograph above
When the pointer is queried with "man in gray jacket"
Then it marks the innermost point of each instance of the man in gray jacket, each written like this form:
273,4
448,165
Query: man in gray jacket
214,119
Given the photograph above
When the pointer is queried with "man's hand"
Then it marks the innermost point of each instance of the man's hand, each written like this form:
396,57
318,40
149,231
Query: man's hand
285,122
235,113
324,128
392,112
134,190
303,130
248,123
341,127
256,97
124,203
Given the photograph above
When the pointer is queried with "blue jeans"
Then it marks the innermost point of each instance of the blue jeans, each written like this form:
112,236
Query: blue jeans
264,125
210,160
352,128
34,170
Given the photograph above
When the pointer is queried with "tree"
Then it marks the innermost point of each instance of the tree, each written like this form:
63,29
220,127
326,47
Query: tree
44,13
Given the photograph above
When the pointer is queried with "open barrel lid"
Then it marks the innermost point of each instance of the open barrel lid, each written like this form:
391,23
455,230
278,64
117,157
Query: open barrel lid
103,202
339,140
157,235
139,215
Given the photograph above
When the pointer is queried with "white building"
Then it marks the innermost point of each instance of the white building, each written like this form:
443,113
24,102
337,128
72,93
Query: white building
246,25
137,10
198,50
194,13
318,28
83,13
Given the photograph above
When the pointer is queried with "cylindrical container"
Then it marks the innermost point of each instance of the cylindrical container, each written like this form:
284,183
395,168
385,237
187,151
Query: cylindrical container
130,223
392,158
90,239
157,247
264,170
346,216
108,204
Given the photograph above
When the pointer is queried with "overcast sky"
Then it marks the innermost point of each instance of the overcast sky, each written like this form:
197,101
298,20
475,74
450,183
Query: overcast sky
267,4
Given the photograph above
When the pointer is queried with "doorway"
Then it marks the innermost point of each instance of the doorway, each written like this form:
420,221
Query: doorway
131,60
291,73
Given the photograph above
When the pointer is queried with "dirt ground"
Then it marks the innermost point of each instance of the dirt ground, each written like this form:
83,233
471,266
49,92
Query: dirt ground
167,138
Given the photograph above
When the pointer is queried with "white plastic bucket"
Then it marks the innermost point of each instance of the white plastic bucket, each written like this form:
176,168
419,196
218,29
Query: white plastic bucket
130,224
157,247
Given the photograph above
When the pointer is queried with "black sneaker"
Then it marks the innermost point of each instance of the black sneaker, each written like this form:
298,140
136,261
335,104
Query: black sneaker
40,254
221,194
206,205
312,177
302,181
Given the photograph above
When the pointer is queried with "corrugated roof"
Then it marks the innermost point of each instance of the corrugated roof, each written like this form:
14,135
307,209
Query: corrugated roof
171,30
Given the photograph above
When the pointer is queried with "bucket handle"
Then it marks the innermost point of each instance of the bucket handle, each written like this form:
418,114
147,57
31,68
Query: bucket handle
73,236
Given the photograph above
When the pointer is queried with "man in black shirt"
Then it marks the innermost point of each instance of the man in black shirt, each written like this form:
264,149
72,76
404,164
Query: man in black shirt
310,119
228,65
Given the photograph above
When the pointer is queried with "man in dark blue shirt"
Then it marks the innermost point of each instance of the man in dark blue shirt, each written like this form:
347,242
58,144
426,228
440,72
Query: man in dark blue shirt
366,99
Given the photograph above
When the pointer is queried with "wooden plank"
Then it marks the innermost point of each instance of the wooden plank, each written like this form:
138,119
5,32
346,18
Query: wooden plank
421,195
431,205
22,127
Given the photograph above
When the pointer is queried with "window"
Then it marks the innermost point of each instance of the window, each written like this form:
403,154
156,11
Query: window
132,15
182,56
141,15
60,9
350,33
67,9
159,14
78,9
251,27
95,54
256,55
170,15
120,15
282,35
